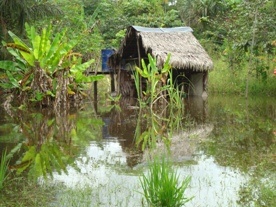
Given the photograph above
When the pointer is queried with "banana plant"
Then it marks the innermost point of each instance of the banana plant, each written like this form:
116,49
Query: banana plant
38,64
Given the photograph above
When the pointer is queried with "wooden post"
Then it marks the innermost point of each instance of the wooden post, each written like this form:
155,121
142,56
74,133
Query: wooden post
95,90
96,96
205,81
119,79
112,81
139,64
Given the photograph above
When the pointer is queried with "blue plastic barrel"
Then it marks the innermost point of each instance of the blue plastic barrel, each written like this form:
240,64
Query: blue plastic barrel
106,53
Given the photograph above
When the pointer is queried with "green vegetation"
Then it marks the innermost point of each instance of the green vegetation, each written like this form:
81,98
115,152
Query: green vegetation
14,15
42,72
159,84
4,162
225,81
162,98
73,197
239,35
162,185
23,192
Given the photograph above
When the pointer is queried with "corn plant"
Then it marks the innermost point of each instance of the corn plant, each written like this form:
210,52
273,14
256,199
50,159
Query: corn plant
159,83
153,79
162,186
159,86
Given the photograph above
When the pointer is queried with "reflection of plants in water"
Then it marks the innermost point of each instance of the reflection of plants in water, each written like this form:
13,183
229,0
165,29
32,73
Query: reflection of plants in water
244,139
261,187
87,127
50,156
114,97
258,192
47,144
154,131
51,141
162,186
241,139
153,127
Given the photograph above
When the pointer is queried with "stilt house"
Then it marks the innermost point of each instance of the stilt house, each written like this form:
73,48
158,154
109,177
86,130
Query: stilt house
190,62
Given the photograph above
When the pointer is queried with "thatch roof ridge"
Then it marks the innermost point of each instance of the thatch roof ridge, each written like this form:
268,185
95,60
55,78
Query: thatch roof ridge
162,30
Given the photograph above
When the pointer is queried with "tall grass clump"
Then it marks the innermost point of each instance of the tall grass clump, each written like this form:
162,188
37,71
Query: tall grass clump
162,186
3,168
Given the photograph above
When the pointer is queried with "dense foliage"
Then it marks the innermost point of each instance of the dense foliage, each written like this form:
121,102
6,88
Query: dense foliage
239,33
47,69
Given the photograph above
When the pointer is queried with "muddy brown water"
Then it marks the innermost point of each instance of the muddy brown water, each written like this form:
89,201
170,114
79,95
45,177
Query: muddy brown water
223,143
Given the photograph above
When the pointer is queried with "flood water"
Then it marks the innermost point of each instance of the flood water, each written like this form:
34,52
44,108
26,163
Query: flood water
226,144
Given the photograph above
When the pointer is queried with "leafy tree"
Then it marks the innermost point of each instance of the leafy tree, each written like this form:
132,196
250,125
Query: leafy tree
14,14
81,18
151,13
113,17
251,32
199,13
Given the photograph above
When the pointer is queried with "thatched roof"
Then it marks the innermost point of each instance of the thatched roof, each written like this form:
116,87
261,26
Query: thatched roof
186,52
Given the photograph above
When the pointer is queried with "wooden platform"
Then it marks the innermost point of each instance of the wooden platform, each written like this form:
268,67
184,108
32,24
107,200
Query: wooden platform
100,72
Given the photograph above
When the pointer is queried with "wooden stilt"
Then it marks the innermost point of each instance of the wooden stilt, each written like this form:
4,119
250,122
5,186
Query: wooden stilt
119,80
96,96
139,64
95,90
112,82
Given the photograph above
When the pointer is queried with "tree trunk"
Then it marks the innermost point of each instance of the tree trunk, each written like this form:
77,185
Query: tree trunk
41,84
251,50
62,99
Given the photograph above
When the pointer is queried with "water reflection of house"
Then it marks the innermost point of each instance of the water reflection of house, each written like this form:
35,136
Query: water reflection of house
121,125
189,60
